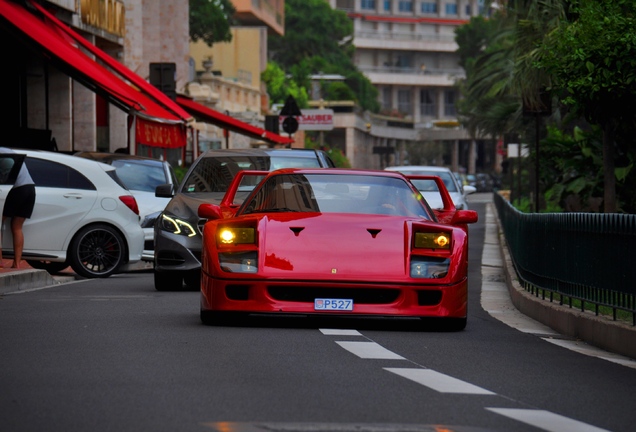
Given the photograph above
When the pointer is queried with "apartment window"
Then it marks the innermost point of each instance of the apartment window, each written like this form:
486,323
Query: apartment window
340,4
405,6
427,103
404,102
404,61
429,7
367,4
468,9
387,5
451,8
449,103
387,97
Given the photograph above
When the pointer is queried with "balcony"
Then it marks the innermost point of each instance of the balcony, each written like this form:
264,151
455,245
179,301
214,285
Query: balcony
430,77
406,41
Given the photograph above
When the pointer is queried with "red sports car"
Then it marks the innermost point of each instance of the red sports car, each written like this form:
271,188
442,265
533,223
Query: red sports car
334,242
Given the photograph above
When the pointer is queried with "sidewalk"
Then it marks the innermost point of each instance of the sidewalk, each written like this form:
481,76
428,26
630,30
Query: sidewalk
27,278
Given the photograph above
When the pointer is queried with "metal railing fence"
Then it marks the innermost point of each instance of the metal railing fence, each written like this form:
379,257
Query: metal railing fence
586,256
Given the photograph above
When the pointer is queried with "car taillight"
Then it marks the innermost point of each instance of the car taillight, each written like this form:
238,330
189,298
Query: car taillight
130,202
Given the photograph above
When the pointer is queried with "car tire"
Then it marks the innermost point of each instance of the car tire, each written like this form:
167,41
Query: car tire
216,318
168,281
52,267
97,251
192,279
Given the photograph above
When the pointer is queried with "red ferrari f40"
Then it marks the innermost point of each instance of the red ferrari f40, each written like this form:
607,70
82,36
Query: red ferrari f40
334,242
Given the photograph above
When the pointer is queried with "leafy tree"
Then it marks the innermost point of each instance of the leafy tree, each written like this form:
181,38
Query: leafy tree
210,20
318,40
312,28
592,58
280,87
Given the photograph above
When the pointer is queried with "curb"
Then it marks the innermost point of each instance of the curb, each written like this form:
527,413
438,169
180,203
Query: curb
28,279
602,332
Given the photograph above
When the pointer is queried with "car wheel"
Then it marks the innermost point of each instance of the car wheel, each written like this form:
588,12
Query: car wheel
443,324
192,279
215,318
52,267
168,281
97,251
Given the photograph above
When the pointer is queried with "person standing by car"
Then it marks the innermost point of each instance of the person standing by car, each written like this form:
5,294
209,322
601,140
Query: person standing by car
18,207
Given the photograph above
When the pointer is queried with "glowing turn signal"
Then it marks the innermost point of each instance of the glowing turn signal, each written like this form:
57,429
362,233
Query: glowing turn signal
236,235
432,240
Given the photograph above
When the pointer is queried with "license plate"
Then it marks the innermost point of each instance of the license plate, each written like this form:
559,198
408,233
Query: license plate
333,304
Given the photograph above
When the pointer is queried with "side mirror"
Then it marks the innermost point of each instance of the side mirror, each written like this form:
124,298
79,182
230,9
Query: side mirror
164,191
210,211
464,217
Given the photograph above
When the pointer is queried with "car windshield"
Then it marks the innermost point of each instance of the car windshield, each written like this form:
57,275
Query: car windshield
140,176
336,193
214,174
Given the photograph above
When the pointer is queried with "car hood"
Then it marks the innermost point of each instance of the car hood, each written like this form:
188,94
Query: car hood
337,247
186,206
148,203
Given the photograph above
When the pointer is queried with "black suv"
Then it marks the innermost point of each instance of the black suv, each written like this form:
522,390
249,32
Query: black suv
178,228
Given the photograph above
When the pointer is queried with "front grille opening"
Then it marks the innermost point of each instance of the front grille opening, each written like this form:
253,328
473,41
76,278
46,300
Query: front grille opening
237,292
166,258
429,297
359,295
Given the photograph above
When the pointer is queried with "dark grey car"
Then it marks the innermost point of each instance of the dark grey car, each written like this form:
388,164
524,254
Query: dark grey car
178,229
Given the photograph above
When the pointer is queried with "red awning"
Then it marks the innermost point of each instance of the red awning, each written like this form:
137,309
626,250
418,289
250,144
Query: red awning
226,122
143,85
67,56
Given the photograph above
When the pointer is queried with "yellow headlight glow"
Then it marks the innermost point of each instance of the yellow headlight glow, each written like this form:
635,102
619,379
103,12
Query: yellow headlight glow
432,240
236,235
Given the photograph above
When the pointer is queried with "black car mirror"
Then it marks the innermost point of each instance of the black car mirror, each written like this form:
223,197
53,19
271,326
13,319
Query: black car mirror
164,191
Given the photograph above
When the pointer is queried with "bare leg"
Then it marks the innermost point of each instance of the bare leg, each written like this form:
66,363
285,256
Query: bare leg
18,239
1,260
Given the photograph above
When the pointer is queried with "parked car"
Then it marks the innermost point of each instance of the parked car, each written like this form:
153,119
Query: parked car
83,217
334,242
457,191
178,229
141,175
484,182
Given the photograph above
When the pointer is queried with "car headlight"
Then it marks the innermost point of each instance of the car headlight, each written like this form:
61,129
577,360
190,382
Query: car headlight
430,240
429,267
176,226
239,262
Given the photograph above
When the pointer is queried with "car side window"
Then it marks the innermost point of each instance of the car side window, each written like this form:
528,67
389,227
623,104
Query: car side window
52,174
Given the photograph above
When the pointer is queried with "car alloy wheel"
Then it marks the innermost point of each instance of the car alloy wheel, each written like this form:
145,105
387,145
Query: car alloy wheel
97,251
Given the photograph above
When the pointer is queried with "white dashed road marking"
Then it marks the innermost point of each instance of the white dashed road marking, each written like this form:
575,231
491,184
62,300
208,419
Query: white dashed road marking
546,420
438,381
369,350
340,332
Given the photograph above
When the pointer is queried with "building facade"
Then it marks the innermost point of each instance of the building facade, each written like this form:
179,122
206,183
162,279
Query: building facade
407,49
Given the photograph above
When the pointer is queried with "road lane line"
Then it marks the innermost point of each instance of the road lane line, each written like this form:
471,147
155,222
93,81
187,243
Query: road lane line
546,420
369,350
439,382
340,332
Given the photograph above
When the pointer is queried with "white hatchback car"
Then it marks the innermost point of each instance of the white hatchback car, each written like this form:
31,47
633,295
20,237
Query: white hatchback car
141,175
83,217
457,191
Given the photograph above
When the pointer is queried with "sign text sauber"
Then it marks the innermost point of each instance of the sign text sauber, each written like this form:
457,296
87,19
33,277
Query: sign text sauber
314,119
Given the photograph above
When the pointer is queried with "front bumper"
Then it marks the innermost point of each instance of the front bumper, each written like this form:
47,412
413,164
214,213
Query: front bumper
270,296
176,252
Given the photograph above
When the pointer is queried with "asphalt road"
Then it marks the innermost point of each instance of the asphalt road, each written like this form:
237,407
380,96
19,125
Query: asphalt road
116,355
